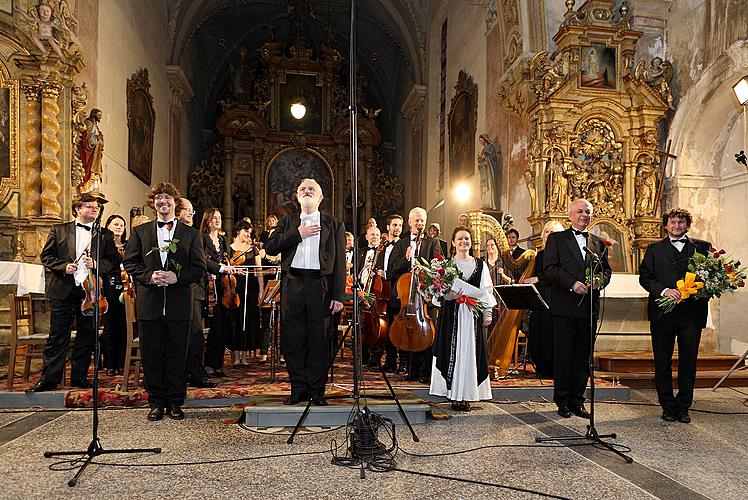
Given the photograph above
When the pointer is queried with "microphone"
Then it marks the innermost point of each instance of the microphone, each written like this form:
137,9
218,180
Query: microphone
592,254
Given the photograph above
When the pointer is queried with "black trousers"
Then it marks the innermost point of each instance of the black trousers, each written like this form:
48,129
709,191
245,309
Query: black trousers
114,338
664,333
62,315
305,327
217,337
196,345
163,345
571,350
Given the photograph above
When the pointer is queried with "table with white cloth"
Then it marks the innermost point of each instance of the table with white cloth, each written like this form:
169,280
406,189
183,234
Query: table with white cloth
29,278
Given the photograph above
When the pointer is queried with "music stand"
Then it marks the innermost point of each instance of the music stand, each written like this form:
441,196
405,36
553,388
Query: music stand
521,296
271,297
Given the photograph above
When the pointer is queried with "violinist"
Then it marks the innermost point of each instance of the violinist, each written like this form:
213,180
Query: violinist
242,310
115,324
400,263
69,248
366,267
216,245
196,374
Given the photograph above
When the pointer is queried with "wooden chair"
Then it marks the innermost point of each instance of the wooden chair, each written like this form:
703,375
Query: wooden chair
24,343
132,344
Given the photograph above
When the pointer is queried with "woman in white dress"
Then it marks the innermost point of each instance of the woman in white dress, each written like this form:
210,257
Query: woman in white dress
460,366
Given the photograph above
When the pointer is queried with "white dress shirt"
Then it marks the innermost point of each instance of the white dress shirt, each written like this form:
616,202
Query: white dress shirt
82,239
581,243
678,244
387,252
163,234
307,253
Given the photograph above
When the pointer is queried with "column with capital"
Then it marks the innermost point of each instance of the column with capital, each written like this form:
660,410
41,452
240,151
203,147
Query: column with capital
50,148
228,181
32,168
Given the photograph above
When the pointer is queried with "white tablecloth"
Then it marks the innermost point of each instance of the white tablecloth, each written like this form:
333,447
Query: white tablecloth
28,277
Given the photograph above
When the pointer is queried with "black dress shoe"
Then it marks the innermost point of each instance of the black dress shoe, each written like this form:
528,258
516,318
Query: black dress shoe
203,384
218,373
564,411
580,411
683,417
319,401
292,400
175,412
42,386
82,384
668,416
156,414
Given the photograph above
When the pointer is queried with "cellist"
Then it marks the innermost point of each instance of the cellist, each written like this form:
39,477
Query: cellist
401,258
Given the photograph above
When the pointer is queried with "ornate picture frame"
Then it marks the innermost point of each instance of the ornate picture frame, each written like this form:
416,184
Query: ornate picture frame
462,123
141,121
9,163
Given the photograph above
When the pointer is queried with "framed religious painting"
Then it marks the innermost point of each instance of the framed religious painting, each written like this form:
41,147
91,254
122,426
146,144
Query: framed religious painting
284,174
599,67
8,134
463,120
619,251
141,121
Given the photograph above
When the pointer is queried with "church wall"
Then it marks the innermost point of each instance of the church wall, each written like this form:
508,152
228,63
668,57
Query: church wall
131,38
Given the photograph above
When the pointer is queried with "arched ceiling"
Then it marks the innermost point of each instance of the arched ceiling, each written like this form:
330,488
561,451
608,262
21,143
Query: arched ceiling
205,36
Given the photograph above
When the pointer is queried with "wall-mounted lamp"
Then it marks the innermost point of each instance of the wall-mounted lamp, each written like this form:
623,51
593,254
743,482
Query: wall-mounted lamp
462,192
298,110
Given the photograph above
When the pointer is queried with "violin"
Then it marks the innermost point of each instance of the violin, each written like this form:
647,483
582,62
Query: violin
127,286
230,299
412,329
89,286
374,316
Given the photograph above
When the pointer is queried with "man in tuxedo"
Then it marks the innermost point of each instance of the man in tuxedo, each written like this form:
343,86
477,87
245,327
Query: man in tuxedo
394,229
512,236
196,374
400,262
567,257
665,262
165,258
366,254
70,251
312,248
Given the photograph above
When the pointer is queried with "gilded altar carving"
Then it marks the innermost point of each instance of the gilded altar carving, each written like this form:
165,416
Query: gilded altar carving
9,94
32,168
593,127
78,103
51,166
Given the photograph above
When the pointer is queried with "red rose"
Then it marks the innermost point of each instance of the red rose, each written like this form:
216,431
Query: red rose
442,272
608,243
728,268
438,256
712,249
716,255
722,252
741,283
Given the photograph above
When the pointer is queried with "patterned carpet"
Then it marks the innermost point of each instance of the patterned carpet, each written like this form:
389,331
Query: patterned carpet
252,382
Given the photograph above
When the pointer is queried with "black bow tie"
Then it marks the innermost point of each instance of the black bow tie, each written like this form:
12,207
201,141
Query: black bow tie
78,224
580,233
372,248
169,223
682,240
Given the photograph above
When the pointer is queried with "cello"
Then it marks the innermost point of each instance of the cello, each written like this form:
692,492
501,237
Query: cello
412,329
374,316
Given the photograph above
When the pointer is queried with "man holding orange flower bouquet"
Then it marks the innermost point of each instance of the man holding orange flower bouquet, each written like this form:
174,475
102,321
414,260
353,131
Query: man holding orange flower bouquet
663,273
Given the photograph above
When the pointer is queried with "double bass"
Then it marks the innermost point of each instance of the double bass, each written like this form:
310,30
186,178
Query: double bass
374,316
412,329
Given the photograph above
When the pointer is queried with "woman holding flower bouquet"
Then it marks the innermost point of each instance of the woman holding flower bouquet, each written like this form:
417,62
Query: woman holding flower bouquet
460,365
665,262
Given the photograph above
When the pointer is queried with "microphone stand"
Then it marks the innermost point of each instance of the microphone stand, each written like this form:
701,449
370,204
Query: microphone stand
592,435
94,448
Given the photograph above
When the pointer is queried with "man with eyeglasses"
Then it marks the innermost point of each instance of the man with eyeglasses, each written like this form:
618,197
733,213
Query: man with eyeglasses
70,251
165,258
312,248
196,374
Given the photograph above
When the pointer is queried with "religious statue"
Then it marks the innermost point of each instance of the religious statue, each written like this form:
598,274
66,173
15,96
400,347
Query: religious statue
488,165
646,186
529,177
556,184
243,199
91,150
551,73
50,29
658,76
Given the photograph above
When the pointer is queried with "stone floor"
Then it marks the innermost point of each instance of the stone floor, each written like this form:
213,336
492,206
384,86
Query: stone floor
706,459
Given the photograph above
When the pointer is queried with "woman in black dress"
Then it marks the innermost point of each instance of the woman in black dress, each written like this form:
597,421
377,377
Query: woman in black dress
114,337
540,339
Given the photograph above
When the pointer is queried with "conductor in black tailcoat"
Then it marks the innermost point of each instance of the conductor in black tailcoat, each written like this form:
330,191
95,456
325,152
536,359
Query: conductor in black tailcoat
565,265
665,262
312,248
165,259
69,247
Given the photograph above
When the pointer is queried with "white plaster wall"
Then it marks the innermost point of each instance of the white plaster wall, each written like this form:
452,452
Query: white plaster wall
132,35
466,50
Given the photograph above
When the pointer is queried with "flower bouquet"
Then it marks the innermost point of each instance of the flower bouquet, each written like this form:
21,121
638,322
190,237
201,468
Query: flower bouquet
437,279
708,276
